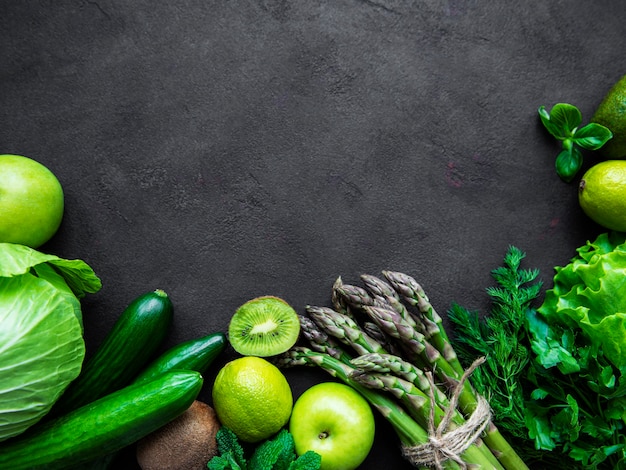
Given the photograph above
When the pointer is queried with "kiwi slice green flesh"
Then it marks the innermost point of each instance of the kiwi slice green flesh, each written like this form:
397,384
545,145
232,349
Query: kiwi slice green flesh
264,326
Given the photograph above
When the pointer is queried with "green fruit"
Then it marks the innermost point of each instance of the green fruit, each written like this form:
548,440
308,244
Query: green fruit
602,194
335,421
264,326
31,201
611,113
252,398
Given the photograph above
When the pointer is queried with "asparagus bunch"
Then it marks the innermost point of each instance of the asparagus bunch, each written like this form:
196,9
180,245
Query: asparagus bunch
387,341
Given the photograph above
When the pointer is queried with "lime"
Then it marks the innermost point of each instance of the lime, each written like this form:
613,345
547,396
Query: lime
252,398
602,194
611,113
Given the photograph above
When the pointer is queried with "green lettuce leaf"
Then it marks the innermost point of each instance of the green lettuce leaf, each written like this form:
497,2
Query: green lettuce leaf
590,293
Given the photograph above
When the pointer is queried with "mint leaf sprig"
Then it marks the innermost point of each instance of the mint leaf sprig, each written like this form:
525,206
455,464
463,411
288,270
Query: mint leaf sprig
563,123
276,453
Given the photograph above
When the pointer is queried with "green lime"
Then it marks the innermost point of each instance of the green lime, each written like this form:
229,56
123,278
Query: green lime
602,194
611,113
252,398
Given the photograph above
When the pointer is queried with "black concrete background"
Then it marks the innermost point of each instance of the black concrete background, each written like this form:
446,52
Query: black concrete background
221,150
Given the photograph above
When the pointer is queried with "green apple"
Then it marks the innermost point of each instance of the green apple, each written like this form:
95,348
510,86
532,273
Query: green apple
31,201
335,421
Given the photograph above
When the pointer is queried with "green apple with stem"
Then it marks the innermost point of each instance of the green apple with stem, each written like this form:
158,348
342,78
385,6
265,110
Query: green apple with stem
335,421
31,201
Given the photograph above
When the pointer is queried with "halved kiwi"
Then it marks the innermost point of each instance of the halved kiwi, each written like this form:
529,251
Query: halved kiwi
264,326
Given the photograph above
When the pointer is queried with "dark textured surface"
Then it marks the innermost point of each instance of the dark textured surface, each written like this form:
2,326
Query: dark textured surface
222,150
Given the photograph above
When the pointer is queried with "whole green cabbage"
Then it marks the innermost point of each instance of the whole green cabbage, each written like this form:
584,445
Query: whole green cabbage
41,332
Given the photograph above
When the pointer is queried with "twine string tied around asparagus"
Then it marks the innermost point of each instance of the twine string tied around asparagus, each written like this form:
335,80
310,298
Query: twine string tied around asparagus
444,445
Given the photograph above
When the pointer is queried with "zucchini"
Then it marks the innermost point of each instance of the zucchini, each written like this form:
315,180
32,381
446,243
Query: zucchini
103,426
196,354
131,343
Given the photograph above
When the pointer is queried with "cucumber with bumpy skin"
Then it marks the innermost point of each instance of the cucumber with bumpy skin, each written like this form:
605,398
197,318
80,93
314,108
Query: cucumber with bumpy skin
195,354
103,426
131,343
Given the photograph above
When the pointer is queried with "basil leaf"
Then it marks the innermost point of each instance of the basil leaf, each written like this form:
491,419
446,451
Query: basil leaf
568,162
592,136
552,127
566,116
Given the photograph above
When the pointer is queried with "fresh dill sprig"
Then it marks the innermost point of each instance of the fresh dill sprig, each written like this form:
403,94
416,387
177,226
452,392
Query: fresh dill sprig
502,339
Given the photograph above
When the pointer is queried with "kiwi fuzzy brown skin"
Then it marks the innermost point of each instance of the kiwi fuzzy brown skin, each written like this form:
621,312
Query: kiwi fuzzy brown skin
264,343
186,443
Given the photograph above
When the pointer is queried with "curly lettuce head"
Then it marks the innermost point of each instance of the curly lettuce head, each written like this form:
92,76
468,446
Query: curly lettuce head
590,294
41,332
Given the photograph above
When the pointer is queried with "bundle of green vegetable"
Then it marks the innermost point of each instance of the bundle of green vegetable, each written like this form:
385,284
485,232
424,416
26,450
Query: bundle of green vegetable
41,338
568,396
387,341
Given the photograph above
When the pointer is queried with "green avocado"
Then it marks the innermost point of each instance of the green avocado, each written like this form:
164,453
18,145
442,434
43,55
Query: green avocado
611,113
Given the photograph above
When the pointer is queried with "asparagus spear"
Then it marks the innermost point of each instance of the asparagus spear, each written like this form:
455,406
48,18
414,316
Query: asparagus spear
356,297
377,286
413,293
377,334
320,341
414,344
386,294
344,329
339,303
391,363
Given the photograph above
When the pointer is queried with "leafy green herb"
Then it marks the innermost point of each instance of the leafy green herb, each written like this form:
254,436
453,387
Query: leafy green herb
579,377
570,393
563,123
273,454
502,339
231,453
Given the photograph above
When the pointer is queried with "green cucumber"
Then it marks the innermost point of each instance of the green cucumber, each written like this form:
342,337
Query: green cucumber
196,354
103,426
127,348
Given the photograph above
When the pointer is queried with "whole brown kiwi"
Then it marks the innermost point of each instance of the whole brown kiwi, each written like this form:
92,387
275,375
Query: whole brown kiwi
186,443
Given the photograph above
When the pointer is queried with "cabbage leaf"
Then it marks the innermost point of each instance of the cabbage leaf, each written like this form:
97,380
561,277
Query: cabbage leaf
41,332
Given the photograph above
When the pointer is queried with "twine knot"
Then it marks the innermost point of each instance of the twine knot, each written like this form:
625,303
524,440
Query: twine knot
444,444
